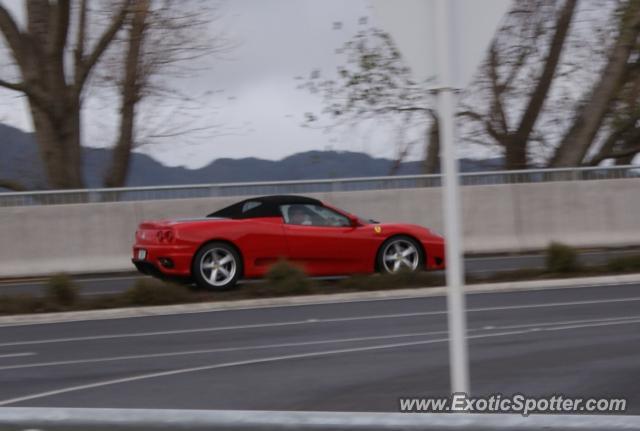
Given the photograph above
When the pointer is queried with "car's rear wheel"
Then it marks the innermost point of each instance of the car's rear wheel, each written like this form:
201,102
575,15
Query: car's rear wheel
400,253
217,266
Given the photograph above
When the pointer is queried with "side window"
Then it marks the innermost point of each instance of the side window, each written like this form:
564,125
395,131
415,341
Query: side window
250,205
312,215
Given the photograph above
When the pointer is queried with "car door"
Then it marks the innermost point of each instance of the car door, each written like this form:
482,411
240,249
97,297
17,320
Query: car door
324,241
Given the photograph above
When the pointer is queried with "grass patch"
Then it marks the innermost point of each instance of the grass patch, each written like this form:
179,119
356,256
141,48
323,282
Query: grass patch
286,278
561,258
20,304
624,264
148,291
62,291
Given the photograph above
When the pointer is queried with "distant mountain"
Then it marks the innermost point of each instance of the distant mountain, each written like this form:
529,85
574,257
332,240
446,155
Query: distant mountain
20,162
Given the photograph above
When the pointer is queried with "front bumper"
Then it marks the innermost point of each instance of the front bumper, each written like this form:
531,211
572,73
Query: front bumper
435,255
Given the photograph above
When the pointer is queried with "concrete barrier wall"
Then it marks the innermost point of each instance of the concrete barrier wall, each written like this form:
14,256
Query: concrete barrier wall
499,218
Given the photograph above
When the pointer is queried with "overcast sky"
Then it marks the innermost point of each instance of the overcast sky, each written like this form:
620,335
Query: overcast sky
255,100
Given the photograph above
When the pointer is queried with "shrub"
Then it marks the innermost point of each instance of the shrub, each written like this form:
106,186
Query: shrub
284,277
624,264
61,290
148,291
20,304
561,258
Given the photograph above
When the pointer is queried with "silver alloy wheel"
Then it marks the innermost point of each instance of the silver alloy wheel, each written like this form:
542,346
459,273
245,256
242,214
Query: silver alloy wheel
400,254
218,266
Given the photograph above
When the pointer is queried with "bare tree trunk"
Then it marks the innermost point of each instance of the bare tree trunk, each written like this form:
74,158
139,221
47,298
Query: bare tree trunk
59,144
117,174
516,154
397,162
516,149
54,96
579,138
432,159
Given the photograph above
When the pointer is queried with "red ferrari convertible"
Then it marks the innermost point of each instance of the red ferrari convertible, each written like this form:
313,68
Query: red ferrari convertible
244,239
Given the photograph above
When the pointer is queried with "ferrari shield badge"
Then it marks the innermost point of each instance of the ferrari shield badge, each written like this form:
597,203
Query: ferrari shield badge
377,229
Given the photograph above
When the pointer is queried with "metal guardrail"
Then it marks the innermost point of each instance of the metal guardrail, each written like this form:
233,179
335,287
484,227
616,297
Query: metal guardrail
57,197
53,419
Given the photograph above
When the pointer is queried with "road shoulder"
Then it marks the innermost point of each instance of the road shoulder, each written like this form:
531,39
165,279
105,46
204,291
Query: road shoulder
133,312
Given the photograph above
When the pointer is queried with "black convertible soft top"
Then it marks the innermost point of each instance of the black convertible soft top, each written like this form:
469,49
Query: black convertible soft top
264,206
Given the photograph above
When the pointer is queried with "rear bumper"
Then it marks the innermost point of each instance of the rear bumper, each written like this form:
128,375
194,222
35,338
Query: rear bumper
165,260
148,268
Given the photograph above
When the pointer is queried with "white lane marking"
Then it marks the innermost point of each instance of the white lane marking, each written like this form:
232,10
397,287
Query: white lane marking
40,283
16,355
283,358
311,322
208,329
533,327
220,350
542,257
631,319
554,304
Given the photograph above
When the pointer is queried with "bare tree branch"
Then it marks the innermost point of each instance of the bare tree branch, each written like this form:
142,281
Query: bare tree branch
15,86
12,185
541,89
489,128
617,155
60,18
81,31
33,93
86,65
12,34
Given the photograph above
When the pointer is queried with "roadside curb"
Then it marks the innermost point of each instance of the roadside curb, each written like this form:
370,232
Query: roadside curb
289,301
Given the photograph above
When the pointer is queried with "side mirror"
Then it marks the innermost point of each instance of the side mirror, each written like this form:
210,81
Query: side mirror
354,221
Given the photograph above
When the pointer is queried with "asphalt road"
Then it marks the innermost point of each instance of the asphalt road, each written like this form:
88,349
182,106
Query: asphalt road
94,285
350,356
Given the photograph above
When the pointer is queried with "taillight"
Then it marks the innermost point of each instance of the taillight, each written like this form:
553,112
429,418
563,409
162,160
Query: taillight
165,235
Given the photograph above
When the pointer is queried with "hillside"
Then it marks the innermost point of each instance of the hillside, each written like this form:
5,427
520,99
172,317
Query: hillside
20,162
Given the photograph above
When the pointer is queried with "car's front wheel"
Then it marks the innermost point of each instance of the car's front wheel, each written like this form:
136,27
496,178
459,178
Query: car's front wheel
217,266
400,253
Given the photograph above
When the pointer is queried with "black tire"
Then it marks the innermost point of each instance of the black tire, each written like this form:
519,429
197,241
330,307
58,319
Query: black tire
403,241
227,272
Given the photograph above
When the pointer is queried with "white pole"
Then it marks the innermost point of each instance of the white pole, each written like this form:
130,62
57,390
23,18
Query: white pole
458,355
